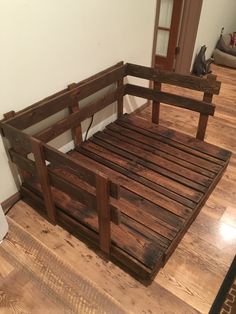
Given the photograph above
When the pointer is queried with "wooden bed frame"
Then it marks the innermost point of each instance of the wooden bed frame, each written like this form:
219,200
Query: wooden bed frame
131,190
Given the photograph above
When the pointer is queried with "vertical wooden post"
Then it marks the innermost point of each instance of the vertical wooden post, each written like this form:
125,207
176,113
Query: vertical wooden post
203,119
22,173
37,150
77,131
156,105
104,215
120,100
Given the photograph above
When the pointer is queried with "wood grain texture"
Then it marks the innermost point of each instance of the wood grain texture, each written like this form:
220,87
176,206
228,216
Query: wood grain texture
43,283
168,77
191,278
163,184
171,99
63,99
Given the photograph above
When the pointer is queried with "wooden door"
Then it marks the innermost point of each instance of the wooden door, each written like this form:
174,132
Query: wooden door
167,30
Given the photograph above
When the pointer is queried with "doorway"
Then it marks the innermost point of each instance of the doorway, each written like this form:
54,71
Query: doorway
175,34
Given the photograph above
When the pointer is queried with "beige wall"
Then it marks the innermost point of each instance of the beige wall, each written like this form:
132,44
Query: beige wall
215,15
46,45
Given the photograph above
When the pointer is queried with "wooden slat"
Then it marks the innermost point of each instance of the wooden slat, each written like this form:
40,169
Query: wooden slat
82,171
62,180
138,269
170,99
154,196
50,106
167,77
42,173
153,141
197,180
149,173
134,192
174,148
45,109
207,148
135,240
104,216
130,137
76,118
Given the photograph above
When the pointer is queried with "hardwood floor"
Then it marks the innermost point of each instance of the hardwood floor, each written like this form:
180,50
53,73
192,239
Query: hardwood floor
191,278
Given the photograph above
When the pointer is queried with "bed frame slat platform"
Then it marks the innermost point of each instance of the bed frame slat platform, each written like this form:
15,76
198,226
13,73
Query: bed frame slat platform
132,190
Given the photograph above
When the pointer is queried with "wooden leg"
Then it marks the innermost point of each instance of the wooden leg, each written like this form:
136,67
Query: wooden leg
202,124
103,209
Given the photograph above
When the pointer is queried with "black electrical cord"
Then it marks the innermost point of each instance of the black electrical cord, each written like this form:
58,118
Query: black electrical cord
90,124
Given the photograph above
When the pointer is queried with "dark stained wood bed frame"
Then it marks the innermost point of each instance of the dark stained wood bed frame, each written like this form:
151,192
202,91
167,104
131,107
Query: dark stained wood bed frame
131,190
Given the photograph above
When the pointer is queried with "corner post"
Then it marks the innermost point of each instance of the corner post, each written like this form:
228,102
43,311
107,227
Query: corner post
203,119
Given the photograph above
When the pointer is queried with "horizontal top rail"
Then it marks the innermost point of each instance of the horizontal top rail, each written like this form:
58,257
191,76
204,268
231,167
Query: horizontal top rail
85,196
58,158
61,100
172,78
171,99
74,119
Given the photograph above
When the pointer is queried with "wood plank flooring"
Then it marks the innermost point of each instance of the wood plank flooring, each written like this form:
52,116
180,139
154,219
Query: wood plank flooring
192,276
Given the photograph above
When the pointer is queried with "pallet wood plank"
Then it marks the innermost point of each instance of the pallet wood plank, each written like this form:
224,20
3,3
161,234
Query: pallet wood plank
178,173
50,106
123,236
130,264
167,77
184,139
42,173
170,99
73,120
133,192
173,148
104,216
147,171
130,137
58,158
156,197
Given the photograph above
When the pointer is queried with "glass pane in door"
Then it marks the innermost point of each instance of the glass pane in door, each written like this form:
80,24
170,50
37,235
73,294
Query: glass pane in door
162,43
165,15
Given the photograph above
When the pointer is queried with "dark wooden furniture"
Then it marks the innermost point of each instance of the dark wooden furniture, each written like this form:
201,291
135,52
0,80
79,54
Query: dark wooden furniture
133,189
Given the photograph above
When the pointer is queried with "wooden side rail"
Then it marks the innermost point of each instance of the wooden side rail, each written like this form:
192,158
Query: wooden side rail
82,171
76,118
81,90
171,99
172,78
208,86
97,199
